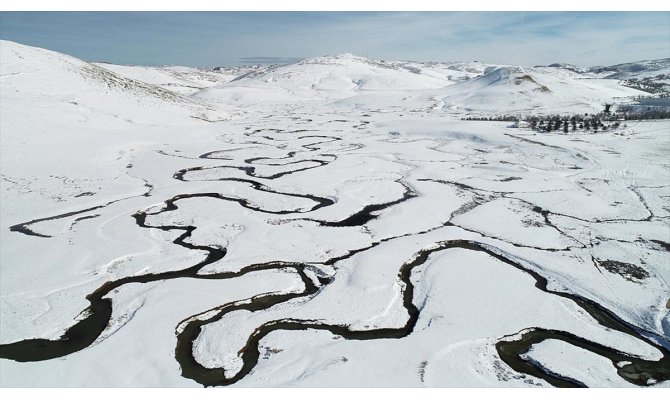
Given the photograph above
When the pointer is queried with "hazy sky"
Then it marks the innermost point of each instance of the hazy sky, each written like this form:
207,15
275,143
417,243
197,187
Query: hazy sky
228,38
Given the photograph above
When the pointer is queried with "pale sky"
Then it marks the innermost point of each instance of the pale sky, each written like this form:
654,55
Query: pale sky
232,38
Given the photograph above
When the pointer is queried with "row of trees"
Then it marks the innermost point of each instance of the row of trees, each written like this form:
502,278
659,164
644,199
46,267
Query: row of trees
551,123
640,113
581,122
573,123
656,85
508,118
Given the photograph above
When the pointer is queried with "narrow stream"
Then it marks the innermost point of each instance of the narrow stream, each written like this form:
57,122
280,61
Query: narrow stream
639,371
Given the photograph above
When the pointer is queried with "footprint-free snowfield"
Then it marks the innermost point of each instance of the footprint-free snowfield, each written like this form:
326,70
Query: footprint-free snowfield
334,222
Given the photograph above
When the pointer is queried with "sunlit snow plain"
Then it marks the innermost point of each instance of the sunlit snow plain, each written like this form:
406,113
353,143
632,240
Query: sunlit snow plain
328,223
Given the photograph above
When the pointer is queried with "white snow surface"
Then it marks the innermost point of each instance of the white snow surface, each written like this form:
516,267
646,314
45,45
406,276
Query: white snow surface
348,167
534,90
183,80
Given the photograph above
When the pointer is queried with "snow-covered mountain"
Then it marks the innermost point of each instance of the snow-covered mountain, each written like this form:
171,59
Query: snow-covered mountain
330,77
535,90
461,87
569,67
45,77
183,80
634,70
470,88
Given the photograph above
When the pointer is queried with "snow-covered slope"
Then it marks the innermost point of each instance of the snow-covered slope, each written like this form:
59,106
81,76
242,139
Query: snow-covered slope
566,66
452,87
183,80
634,70
330,77
45,76
452,72
526,90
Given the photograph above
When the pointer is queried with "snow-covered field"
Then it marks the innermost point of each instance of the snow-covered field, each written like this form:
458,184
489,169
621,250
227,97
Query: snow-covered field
332,222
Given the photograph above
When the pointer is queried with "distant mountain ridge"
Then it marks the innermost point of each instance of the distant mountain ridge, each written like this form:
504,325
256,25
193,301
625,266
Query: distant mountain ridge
451,87
636,69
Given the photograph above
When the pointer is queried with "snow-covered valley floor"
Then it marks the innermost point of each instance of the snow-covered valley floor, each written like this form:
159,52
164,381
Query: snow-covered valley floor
261,234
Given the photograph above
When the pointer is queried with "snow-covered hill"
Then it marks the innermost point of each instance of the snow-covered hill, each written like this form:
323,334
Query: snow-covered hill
330,77
41,76
634,70
535,90
469,88
183,80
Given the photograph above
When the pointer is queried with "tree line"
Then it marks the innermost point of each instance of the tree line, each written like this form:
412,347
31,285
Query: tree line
580,122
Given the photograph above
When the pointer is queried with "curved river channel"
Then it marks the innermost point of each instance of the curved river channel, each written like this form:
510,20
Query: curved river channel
510,349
